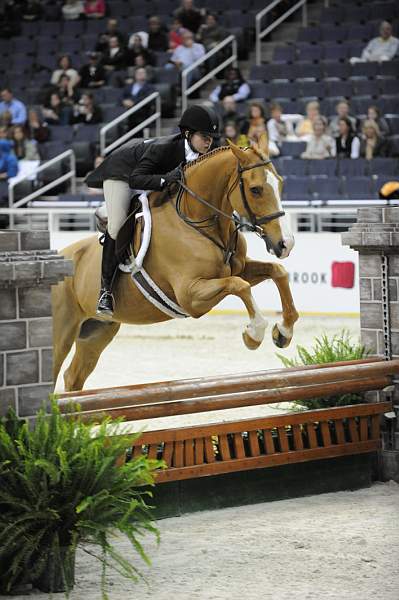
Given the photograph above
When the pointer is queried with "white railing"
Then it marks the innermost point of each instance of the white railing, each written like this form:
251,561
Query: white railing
156,116
261,34
186,91
69,175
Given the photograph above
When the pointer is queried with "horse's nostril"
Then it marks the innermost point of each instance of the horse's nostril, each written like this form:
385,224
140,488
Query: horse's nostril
282,244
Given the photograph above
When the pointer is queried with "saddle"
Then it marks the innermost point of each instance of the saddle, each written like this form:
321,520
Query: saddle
130,234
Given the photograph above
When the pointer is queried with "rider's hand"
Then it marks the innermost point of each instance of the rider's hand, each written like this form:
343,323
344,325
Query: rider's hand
172,176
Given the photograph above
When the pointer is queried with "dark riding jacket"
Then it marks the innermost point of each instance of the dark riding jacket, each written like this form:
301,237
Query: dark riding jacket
140,163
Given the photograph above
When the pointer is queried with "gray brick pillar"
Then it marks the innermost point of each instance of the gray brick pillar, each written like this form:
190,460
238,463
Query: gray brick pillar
376,237
28,269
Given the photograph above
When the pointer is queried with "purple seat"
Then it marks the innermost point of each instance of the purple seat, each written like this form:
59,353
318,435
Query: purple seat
358,188
336,70
89,41
276,71
333,33
283,54
362,87
356,14
295,167
360,104
332,15
364,70
326,189
356,31
95,26
322,168
335,52
355,49
111,112
307,71
312,89
383,166
284,90
70,46
47,61
293,149
30,28
141,7
389,86
74,28
170,76
309,34
296,189
61,133
260,72
111,95
50,28
387,69
381,10
260,90
310,53
389,104
161,58
21,63
87,133
119,9
352,167
20,44
393,121
339,89
137,23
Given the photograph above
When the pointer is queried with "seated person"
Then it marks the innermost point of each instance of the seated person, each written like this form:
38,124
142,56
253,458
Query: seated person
229,112
6,123
320,145
8,160
231,132
256,125
186,54
347,143
31,10
65,68
372,143
305,127
35,128
94,9
343,111
176,31
157,35
92,74
135,94
139,63
276,127
211,33
115,57
72,10
86,111
112,30
12,105
54,111
24,148
137,47
381,48
189,16
373,113
234,85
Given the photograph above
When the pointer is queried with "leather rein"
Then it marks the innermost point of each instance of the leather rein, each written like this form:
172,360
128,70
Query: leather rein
200,226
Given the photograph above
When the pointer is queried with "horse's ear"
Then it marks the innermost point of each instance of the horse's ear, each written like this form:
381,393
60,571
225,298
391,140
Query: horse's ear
263,143
239,153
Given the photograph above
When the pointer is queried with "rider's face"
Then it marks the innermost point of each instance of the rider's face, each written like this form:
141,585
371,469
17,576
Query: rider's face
201,142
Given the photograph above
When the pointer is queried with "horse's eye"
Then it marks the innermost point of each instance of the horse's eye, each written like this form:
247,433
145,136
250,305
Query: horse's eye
256,191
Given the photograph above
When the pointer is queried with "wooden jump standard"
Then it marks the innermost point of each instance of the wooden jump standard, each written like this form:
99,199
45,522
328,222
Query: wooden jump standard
240,445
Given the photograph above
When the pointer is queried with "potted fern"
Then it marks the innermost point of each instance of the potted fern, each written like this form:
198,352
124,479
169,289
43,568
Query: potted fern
61,488
339,347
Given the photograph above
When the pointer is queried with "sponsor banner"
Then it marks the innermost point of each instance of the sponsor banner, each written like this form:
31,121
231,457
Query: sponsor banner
323,274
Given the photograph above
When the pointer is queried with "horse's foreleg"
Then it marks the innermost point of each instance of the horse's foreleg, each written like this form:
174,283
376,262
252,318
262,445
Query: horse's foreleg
204,294
257,271
67,318
94,337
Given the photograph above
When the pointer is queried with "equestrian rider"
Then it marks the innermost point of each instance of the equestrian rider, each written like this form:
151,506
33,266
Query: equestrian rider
145,165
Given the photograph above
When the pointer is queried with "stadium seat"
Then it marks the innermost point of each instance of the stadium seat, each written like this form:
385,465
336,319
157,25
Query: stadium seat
322,168
51,149
332,15
356,14
393,122
349,167
293,149
315,89
84,152
335,52
61,133
74,28
383,166
309,34
284,54
296,189
310,53
358,188
339,89
306,71
87,133
295,167
333,33
326,189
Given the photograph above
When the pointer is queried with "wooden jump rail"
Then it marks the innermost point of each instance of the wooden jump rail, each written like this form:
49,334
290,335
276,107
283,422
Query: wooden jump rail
238,445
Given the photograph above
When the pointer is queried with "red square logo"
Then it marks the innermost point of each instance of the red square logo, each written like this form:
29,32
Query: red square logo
343,274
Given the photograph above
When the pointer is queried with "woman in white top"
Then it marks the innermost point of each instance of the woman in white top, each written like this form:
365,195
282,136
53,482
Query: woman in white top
72,9
65,68
320,145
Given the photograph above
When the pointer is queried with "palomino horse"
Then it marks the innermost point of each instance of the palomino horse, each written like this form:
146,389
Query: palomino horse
188,267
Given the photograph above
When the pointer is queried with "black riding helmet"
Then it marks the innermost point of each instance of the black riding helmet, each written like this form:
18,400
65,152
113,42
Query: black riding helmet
200,118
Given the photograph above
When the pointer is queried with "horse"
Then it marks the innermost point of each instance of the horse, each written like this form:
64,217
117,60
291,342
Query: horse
195,266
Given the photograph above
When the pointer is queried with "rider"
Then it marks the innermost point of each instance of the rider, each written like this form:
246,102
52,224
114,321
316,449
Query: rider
145,165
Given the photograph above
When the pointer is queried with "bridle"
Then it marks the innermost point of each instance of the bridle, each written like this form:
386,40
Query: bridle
255,222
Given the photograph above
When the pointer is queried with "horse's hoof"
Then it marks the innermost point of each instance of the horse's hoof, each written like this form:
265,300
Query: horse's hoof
250,343
279,339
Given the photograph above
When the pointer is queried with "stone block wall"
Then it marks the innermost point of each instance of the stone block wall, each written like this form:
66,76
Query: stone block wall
28,269
376,237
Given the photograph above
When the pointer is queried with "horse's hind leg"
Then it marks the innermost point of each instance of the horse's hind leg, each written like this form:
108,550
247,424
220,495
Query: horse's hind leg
94,337
67,317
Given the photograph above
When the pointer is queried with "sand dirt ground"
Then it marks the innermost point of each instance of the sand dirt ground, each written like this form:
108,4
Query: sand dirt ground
341,546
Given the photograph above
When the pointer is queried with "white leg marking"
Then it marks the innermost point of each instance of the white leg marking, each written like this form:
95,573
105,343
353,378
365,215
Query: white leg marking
257,325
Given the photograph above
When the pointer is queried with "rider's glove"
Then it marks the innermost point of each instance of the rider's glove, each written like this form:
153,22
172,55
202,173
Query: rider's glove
172,176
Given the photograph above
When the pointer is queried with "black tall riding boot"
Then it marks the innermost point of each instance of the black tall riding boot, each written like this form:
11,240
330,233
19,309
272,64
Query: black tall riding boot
109,267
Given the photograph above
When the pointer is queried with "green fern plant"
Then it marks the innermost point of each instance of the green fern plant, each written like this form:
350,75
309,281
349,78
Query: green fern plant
328,350
61,488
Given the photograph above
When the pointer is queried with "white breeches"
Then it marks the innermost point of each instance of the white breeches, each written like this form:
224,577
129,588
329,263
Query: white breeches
117,196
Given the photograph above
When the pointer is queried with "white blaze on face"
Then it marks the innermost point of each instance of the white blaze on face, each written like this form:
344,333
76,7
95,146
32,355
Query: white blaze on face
288,238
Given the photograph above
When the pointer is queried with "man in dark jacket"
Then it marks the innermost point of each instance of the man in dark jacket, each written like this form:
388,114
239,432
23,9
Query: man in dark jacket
145,165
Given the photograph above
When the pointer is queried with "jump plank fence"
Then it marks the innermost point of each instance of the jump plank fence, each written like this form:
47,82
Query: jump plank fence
246,444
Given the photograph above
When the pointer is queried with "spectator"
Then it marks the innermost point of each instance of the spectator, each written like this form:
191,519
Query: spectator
31,10
66,92
92,74
189,16
372,143
256,122
112,30
65,68
210,34
72,10
8,160
54,111
157,35
136,47
4,133
305,127
373,113
234,85
232,133
115,57
347,143
276,127
175,34
137,92
35,129
380,48
320,145
139,62
14,106
229,112
10,19
342,109
86,111
186,54
94,9
6,121
24,148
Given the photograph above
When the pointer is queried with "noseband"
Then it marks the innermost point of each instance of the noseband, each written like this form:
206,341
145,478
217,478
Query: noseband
255,222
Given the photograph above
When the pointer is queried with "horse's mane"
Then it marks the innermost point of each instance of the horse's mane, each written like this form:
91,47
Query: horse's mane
203,157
